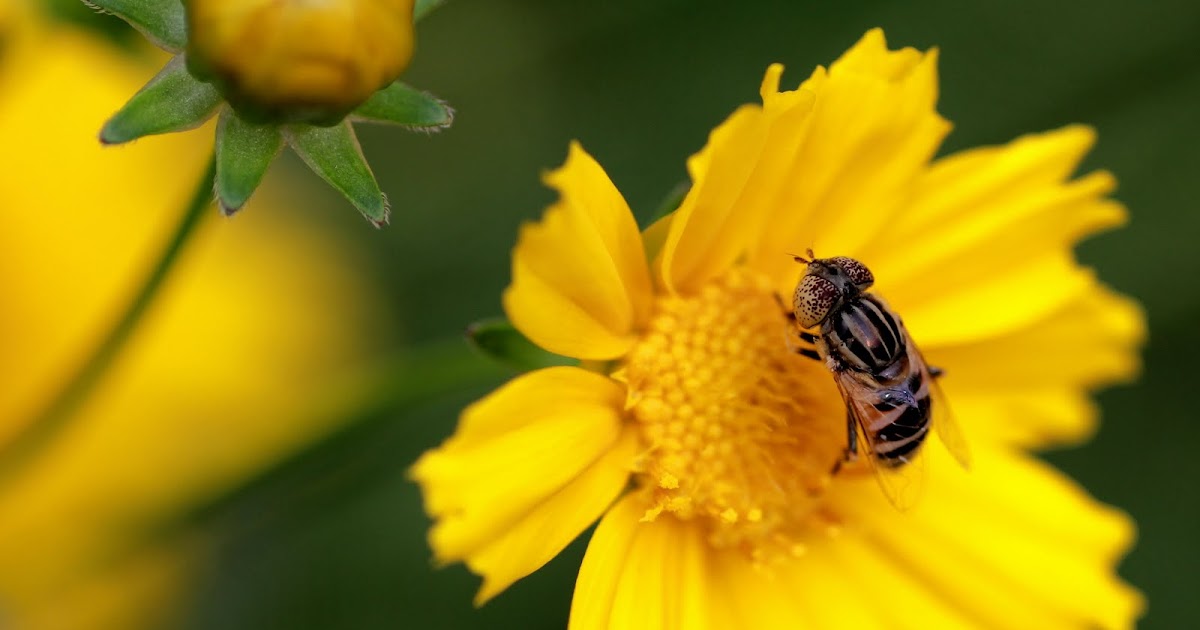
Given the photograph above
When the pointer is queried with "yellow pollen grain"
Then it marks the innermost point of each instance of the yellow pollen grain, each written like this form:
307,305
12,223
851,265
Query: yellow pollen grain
740,431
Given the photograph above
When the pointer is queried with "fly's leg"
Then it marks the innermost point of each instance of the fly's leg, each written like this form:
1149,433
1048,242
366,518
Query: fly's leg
851,438
851,452
936,371
805,336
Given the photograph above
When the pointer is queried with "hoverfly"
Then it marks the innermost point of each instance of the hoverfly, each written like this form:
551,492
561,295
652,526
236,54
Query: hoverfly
890,392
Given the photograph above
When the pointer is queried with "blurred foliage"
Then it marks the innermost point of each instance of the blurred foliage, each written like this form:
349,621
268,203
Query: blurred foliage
641,83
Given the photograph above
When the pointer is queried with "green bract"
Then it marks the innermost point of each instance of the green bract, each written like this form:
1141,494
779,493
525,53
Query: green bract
499,340
175,100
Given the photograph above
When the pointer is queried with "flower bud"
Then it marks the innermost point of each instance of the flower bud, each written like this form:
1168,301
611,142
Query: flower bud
299,60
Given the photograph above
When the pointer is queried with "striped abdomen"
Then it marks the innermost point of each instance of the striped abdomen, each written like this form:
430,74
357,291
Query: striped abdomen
903,420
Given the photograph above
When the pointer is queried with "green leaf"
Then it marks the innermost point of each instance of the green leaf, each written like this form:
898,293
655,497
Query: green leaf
425,7
499,340
399,104
161,21
334,154
244,151
172,101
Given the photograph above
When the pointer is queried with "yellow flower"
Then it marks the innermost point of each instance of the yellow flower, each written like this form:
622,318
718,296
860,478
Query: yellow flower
205,393
306,60
706,447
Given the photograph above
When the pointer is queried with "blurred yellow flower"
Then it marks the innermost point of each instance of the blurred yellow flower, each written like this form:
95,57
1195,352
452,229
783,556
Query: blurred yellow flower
206,393
705,446
297,58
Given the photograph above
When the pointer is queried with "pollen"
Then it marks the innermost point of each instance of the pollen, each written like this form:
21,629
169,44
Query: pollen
741,432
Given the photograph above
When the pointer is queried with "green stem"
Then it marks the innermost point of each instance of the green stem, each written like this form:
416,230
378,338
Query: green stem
58,413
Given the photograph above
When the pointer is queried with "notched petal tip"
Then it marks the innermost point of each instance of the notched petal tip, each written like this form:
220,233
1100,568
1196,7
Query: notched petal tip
581,284
871,56
528,468
557,520
577,159
770,82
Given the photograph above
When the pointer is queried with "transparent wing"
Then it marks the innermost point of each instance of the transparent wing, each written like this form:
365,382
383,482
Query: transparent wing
901,484
943,421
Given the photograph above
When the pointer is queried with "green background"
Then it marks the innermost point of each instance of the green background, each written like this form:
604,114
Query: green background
335,538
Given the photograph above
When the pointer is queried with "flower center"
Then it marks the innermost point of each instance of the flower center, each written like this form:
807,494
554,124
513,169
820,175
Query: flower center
741,431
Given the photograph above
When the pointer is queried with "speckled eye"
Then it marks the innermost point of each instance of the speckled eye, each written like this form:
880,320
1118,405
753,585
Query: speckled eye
855,271
814,299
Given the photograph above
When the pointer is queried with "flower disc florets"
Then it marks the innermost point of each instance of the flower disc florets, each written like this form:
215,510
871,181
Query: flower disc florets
741,432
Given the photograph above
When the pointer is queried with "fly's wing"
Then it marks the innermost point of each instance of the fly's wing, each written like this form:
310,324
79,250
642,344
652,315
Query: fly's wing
944,425
901,480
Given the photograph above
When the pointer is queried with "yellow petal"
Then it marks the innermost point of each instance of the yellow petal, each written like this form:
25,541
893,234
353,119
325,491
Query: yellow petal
556,521
1032,416
1010,544
654,236
513,451
908,603
871,133
738,175
1026,386
826,594
581,284
986,246
644,575
752,597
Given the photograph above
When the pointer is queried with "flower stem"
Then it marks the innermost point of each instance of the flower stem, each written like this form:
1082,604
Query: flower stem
58,413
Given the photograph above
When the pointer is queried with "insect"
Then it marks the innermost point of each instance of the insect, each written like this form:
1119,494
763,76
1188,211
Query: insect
891,394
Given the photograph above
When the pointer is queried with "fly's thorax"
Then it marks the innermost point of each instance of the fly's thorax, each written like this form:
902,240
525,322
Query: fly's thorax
862,334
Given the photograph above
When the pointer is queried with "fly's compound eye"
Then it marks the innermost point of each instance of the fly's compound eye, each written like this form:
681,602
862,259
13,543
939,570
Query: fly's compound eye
855,271
815,297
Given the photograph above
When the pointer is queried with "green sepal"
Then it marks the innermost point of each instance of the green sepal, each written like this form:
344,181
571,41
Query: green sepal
334,154
399,104
499,340
244,151
425,7
172,101
161,21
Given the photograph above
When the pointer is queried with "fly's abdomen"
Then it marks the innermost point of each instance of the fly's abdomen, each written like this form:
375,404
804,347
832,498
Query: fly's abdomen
903,423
